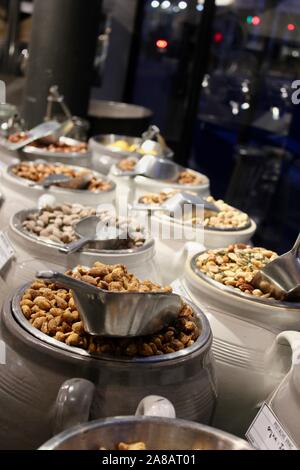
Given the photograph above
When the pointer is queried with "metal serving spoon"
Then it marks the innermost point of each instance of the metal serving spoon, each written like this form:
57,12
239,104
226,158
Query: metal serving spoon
177,203
281,277
64,129
119,314
68,182
42,130
153,167
92,230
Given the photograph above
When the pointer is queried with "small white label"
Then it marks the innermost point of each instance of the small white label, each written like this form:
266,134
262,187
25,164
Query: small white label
6,250
267,433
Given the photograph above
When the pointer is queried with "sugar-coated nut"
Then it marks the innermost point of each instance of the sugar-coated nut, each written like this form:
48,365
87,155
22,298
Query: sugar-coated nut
42,303
26,311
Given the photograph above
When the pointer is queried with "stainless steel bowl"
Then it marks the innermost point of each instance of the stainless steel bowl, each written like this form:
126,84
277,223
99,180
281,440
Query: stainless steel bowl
202,341
16,225
35,153
157,433
237,292
208,229
31,184
100,144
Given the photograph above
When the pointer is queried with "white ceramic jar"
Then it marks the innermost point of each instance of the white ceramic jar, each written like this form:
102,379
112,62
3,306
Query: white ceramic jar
250,362
37,367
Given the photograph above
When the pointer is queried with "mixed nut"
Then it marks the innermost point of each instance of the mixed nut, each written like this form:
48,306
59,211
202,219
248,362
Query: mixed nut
156,198
57,224
236,266
37,172
185,177
60,147
227,218
188,177
53,311
128,164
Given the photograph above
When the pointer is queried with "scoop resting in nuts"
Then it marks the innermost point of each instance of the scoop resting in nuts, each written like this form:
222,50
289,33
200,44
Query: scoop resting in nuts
37,172
227,218
57,225
53,311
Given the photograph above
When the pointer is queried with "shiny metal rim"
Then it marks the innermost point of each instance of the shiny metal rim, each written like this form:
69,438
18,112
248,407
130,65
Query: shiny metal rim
28,183
201,342
19,217
235,442
237,292
29,150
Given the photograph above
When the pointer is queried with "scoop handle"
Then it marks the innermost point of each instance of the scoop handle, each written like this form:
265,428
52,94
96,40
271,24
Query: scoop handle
73,404
66,281
75,246
154,405
296,247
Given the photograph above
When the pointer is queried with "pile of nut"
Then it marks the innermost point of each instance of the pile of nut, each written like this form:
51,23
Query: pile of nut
57,224
236,266
17,137
52,310
227,218
188,177
128,164
37,172
156,198
133,446
61,147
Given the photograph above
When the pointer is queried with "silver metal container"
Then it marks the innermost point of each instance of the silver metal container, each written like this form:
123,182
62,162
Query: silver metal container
25,190
37,366
104,157
141,261
83,159
157,433
273,314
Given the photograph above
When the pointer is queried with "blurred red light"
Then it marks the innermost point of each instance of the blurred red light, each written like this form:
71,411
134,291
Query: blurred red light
162,44
291,27
218,37
256,20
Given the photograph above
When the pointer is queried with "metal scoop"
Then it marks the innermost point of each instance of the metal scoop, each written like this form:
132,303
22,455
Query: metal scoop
119,314
92,230
177,203
54,179
281,277
64,129
68,182
153,167
148,137
42,130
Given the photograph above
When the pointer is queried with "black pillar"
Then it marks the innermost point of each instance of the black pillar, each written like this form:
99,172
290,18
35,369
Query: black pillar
62,50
